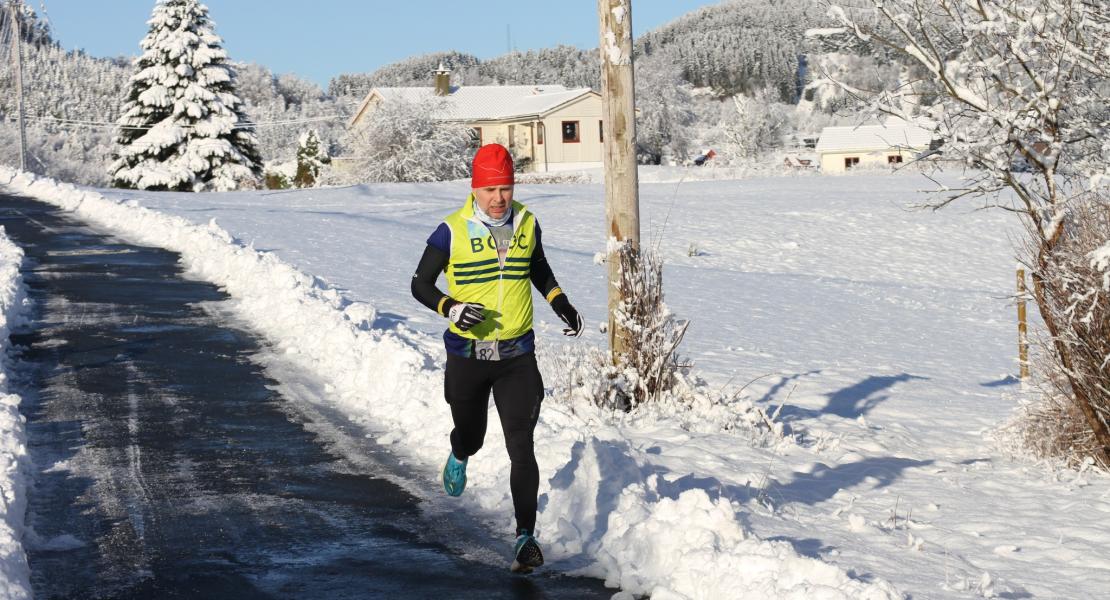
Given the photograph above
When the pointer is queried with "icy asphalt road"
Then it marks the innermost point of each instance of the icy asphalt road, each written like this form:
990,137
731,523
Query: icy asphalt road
166,464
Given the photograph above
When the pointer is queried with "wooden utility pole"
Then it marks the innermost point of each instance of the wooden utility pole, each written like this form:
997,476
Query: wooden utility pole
17,56
622,190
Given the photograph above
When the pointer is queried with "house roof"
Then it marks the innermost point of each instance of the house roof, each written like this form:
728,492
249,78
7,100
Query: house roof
865,138
485,102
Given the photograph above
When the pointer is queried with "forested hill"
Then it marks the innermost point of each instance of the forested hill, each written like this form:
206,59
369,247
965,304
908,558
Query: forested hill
572,67
735,46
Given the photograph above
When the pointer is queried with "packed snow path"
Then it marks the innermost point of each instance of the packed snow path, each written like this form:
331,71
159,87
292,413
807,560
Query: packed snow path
166,466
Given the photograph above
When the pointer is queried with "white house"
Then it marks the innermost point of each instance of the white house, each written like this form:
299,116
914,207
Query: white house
892,143
556,129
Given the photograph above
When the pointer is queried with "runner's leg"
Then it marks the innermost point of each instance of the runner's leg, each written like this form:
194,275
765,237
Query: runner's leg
518,393
466,386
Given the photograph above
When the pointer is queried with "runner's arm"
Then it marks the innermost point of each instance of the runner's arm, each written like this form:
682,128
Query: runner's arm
544,280
541,274
424,289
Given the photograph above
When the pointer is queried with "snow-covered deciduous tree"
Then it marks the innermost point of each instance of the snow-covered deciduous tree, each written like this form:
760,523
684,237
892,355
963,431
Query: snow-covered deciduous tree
1076,289
404,141
664,115
757,125
183,127
311,159
841,82
1021,90
284,103
60,154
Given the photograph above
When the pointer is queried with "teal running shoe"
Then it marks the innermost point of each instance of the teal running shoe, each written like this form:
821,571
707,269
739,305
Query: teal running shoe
526,553
454,476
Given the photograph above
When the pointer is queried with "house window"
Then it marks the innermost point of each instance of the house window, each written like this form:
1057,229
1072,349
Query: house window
851,161
894,159
570,132
476,136
601,131
539,133
512,136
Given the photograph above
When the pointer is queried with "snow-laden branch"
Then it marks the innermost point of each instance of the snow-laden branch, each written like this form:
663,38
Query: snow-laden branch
1022,91
1100,261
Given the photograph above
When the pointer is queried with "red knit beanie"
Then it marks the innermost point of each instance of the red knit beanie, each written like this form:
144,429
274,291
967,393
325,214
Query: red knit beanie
492,166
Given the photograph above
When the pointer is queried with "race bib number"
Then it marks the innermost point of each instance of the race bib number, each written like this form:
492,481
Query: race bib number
486,350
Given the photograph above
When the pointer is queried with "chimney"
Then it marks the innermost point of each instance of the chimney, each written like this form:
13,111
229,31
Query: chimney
443,81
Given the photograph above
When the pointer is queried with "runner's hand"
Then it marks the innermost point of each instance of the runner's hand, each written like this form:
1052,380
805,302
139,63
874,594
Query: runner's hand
562,307
466,314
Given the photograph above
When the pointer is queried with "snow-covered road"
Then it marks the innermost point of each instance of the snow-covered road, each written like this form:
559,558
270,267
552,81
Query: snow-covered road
167,464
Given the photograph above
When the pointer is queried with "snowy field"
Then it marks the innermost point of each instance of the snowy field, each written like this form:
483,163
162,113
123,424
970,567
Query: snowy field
883,337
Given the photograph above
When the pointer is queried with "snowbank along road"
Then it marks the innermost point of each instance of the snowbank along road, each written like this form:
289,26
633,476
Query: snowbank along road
165,464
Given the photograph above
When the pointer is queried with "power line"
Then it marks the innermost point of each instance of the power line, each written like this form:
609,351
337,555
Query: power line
64,123
71,121
245,125
295,121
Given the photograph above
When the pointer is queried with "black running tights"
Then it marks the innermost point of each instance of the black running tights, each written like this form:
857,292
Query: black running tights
517,392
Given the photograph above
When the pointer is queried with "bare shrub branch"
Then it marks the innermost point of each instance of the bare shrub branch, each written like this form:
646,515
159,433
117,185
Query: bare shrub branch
649,368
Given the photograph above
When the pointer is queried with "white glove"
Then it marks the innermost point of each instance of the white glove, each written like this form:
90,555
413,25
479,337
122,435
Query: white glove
466,314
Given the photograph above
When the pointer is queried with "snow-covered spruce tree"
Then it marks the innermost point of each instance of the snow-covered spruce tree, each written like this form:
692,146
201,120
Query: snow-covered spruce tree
1021,90
311,159
183,127
404,141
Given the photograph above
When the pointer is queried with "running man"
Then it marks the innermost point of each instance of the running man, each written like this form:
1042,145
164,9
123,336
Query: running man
491,253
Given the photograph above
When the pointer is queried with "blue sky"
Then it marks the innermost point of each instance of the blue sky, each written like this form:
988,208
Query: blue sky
323,38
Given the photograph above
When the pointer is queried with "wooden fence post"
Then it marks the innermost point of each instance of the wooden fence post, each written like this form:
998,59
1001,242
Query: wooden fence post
1023,336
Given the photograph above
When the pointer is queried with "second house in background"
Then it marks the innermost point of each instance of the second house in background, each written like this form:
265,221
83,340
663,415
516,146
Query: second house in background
891,144
546,127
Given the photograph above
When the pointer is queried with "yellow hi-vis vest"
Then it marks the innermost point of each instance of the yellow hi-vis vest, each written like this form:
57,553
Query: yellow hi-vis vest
475,274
